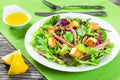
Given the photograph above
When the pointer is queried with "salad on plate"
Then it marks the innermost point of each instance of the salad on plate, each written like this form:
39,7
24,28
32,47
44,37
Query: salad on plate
72,41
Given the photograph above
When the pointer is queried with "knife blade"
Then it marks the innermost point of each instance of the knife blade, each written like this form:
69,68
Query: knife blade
95,13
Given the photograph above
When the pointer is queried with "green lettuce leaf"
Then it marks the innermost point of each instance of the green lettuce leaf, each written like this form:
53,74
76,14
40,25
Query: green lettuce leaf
82,48
64,50
107,50
51,21
104,34
68,36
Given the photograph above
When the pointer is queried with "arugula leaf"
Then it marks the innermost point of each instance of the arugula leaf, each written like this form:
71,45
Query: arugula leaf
94,59
86,62
64,50
94,53
107,50
83,30
82,48
39,42
69,19
87,22
53,58
75,19
61,62
51,21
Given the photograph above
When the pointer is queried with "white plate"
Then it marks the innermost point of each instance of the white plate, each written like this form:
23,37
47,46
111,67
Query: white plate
113,36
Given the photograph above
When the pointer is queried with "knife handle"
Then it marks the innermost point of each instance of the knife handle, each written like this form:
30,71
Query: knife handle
98,13
85,6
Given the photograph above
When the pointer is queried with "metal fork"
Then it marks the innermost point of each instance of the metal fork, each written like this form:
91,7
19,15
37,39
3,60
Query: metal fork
56,7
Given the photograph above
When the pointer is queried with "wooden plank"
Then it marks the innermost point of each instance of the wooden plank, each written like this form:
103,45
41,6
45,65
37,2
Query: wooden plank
31,74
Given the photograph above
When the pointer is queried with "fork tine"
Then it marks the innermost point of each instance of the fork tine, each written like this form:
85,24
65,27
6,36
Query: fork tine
50,5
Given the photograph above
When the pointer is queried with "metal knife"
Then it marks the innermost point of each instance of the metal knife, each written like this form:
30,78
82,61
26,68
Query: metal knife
97,13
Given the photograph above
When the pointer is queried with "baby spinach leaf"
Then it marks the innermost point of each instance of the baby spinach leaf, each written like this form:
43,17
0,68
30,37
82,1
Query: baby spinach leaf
68,36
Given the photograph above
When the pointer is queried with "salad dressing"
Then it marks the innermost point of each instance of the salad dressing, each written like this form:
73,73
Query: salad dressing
16,18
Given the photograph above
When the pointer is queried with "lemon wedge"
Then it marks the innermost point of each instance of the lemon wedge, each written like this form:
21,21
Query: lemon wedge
18,65
8,58
16,62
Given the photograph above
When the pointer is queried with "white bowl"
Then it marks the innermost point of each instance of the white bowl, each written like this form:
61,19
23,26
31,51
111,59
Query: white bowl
12,9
